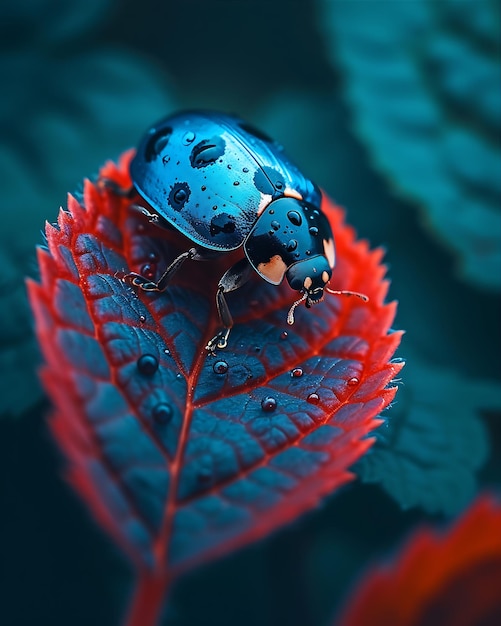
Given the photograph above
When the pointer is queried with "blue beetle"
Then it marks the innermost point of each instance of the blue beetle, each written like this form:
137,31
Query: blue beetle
224,184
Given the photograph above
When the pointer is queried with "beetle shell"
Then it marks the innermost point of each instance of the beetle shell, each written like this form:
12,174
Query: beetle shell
211,175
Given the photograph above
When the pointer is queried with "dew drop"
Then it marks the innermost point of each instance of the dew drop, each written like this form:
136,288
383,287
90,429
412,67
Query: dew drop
268,404
204,475
297,372
148,271
142,318
179,376
313,231
295,218
236,183
353,381
228,166
147,364
275,225
203,187
271,211
162,413
220,367
214,208
180,195
313,398
397,359
279,184
245,170
284,334
292,245
166,351
188,137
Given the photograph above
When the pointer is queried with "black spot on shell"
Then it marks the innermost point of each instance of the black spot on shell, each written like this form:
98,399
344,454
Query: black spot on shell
207,152
222,223
156,143
179,195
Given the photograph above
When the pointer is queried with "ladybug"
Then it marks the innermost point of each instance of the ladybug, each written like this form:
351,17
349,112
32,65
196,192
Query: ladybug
224,185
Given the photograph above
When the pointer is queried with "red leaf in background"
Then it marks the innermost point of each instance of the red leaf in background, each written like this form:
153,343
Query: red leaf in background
453,579
173,449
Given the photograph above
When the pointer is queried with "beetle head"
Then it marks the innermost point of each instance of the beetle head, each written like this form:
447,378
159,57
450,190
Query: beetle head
309,277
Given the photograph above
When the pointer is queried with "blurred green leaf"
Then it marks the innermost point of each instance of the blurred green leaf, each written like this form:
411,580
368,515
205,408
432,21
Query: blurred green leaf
434,441
423,81
48,22
60,119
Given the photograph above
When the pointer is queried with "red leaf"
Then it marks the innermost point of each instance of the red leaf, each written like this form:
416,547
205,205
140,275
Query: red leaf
453,578
181,463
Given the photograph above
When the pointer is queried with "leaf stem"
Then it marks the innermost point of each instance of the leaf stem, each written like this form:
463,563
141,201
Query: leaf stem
148,599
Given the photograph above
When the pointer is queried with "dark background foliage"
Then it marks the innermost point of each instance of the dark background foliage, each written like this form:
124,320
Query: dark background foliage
81,81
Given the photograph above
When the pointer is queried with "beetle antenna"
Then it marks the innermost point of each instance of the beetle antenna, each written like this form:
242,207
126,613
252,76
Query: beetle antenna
343,292
290,314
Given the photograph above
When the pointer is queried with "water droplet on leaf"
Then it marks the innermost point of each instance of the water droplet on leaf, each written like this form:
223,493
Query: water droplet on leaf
220,367
275,225
313,398
147,364
353,381
162,413
268,404
204,475
148,271
297,372
284,334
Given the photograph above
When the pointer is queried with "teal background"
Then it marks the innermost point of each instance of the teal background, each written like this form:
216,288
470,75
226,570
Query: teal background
80,82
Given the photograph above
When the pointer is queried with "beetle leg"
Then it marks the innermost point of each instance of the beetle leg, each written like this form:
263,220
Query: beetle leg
236,276
136,280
